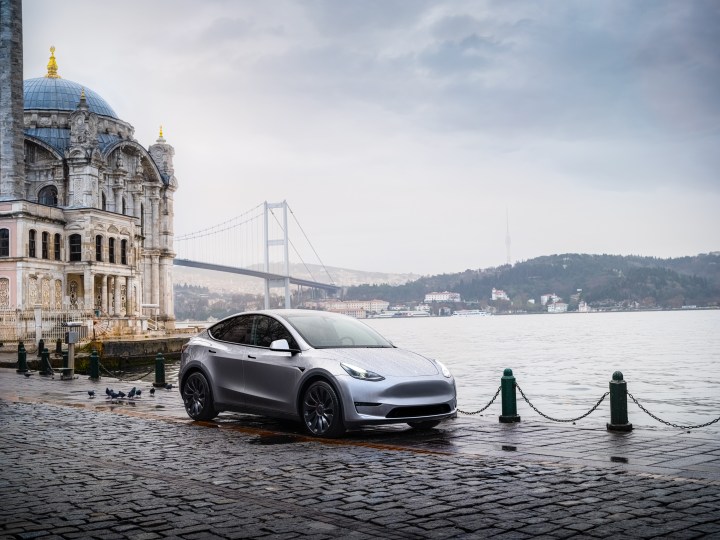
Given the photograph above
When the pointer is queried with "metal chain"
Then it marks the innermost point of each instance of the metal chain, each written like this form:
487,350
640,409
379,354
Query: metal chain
670,423
485,407
115,375
561,419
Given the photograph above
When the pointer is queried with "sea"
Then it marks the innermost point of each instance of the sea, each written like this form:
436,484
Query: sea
564,363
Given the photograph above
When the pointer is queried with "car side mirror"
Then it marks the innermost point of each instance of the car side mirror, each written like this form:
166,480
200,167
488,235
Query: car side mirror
282,345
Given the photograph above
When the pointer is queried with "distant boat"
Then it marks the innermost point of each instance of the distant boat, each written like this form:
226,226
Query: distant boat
471,313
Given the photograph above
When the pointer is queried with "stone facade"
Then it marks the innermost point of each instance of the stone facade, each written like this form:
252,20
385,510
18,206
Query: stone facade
87,221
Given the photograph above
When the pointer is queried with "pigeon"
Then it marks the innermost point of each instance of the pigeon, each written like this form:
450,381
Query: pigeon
168,387
91,393
114,395
152,391
131,393
108,391
137,394
121,395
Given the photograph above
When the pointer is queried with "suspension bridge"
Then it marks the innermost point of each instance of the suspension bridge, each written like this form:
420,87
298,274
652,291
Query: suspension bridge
256,243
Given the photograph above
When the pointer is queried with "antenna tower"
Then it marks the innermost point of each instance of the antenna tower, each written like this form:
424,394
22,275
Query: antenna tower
507,236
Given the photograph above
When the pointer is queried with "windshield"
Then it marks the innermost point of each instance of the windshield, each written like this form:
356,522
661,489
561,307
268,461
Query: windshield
326,331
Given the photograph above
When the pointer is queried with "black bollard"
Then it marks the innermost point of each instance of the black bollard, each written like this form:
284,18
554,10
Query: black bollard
159,371
618,404
94,366
41,347
45,367
22,359
509,401
58,347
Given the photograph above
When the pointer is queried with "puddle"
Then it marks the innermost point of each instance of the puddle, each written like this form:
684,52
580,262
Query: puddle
266,440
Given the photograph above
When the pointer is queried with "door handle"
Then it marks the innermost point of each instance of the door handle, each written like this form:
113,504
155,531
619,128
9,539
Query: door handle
251,356
212,351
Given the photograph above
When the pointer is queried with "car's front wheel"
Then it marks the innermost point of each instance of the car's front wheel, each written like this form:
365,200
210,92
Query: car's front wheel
197,397
423,425
321,411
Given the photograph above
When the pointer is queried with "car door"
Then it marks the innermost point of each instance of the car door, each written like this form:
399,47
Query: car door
271,377
231,342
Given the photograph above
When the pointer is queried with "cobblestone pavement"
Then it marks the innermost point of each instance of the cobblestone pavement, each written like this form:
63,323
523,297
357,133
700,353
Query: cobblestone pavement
76,467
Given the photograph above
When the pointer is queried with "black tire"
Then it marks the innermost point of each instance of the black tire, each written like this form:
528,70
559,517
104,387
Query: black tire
422,425
197,397
321,412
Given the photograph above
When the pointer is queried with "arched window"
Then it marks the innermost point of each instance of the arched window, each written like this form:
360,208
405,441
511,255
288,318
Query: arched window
111,250
103,202
56,246
48,196
45,246
98,248
4,242
75,247
123,251
31,244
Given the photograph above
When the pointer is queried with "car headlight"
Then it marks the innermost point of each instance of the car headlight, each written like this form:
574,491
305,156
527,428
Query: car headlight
360,373
445,371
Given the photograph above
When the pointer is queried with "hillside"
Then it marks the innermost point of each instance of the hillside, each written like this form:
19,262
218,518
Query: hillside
605,280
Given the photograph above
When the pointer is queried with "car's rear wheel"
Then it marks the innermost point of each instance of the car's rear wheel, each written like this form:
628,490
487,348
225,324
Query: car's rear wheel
321,411
422,425
197,397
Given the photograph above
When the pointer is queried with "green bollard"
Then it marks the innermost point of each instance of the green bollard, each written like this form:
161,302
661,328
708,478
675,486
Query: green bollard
45,367
94,366
159,370
509,403
618,404
22,359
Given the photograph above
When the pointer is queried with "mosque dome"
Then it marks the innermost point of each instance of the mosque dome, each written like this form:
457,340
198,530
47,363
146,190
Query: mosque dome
45,93
53,93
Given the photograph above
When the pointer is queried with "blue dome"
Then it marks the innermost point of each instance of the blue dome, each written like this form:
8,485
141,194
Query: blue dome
46,93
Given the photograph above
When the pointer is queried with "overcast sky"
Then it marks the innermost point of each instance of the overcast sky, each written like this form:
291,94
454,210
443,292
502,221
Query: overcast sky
402,132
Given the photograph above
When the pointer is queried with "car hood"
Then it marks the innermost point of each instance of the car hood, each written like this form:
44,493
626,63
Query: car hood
385,361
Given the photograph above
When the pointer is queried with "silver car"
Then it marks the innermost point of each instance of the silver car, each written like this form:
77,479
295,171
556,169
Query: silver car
329,371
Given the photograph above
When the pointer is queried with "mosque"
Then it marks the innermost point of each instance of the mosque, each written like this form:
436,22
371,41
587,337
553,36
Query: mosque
86,212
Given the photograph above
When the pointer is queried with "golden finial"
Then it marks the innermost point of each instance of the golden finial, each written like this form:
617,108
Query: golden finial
52,66
82,94
161,132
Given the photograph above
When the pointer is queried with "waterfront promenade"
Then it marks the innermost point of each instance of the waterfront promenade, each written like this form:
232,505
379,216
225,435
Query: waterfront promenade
80,467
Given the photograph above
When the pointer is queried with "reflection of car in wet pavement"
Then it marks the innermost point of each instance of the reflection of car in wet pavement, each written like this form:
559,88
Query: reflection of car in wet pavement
330,371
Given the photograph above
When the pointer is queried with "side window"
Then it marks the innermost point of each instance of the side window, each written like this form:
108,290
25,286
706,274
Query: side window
235,330
4,242
45,246
75,247
31,247
48,196
56,247
98,248
268,330
111,250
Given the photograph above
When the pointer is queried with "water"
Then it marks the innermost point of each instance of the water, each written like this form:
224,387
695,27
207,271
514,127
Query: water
563,363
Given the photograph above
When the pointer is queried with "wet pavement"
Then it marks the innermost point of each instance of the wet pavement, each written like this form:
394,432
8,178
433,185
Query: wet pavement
75,466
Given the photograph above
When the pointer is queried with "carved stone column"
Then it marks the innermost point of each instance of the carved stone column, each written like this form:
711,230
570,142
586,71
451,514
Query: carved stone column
104,306
116,286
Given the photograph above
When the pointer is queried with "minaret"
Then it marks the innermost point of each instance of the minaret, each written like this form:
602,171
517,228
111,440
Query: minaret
12,139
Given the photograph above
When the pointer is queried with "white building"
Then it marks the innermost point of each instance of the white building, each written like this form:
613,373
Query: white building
557,307
549,299
443,297
499,294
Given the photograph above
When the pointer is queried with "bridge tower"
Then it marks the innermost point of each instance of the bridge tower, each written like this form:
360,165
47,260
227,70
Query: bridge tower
274,242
